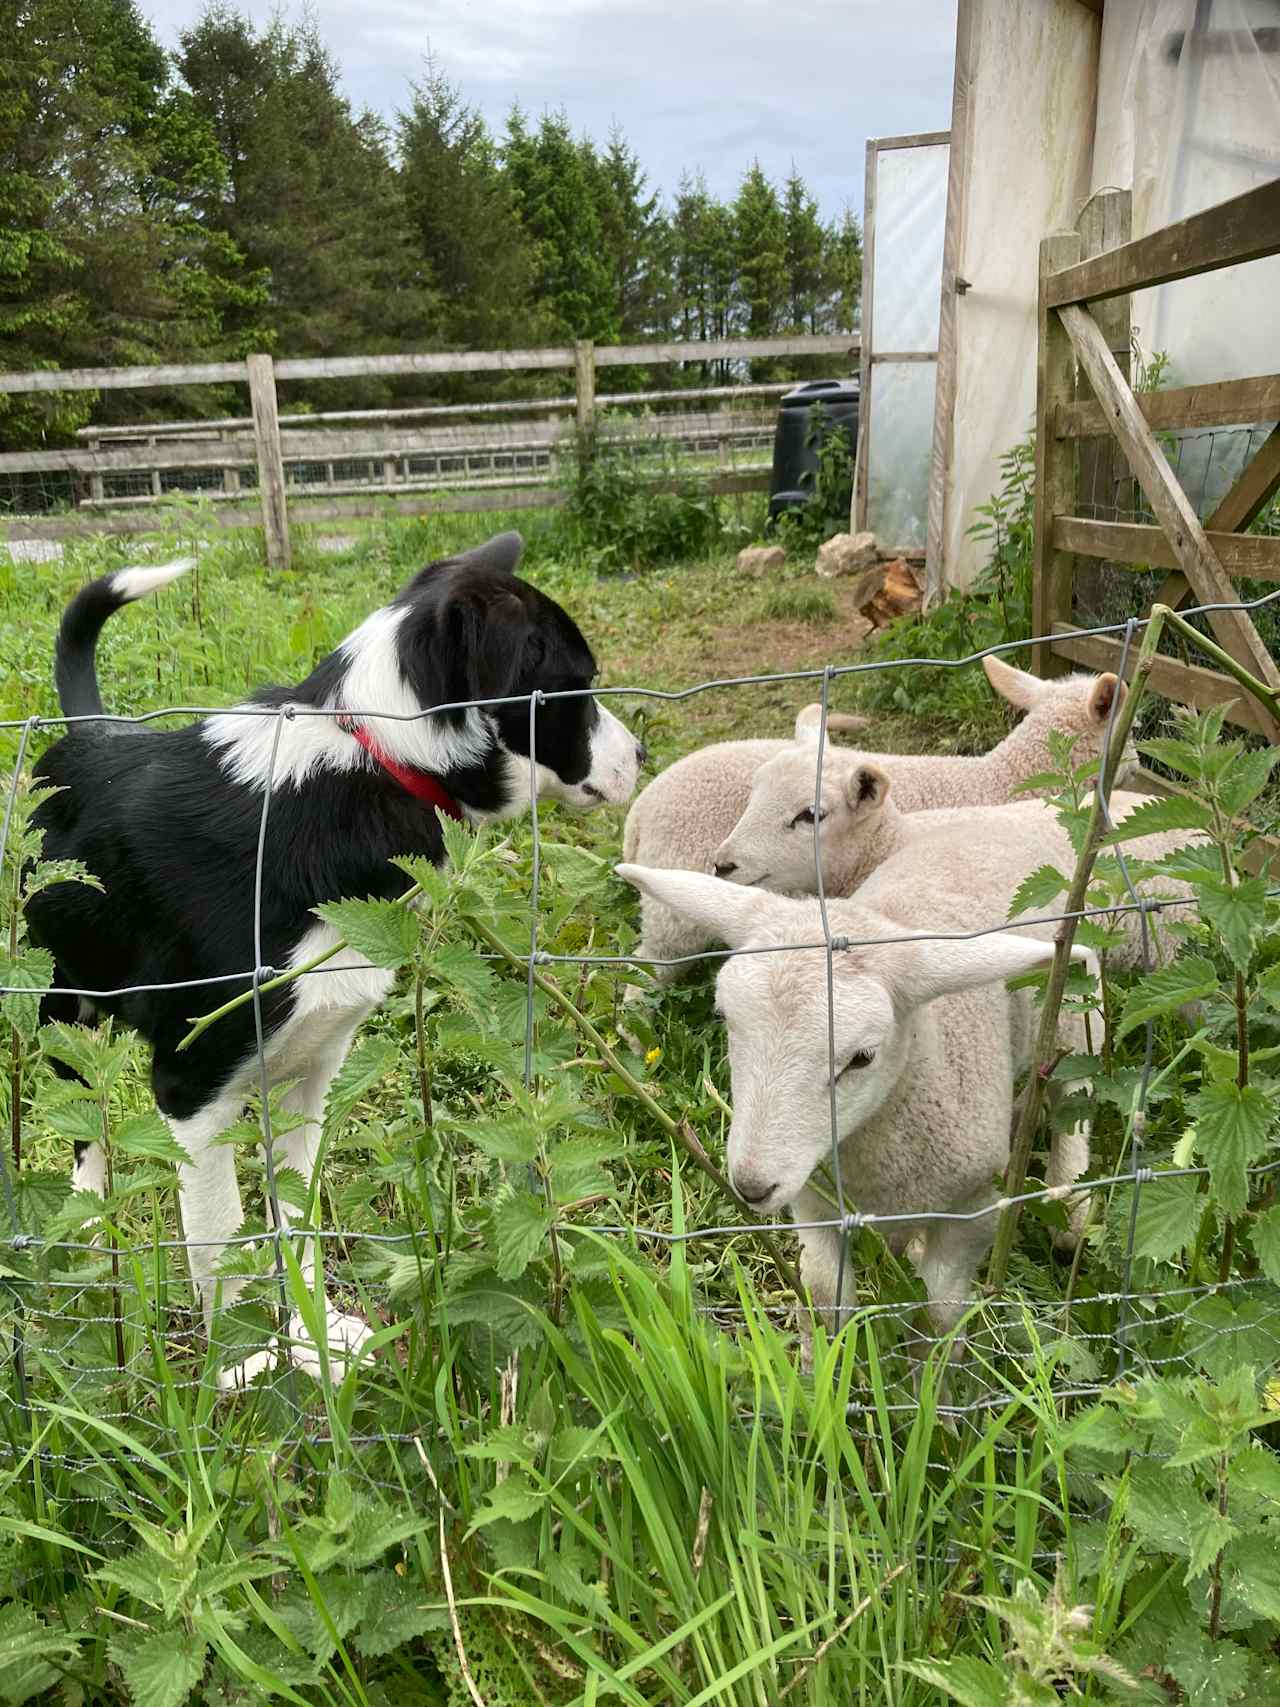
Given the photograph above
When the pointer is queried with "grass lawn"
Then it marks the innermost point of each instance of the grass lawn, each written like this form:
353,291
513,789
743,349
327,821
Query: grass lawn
583,1464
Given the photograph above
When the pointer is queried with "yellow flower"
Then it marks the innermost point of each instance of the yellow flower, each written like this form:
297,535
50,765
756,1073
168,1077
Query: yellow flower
652,1056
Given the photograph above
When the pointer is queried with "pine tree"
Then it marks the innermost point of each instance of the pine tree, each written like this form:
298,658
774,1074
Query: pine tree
703,266
805,255
632,231
552,180
463,213
760,242
102,166
312,197
842,272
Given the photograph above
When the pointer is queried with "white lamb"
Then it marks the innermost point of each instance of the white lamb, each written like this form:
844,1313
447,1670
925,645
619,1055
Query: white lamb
686,812
928,1043
985,850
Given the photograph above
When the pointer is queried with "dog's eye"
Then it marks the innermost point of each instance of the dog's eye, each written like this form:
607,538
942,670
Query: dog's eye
806,817
863,1058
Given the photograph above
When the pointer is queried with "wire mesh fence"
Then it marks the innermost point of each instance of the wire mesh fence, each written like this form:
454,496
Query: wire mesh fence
110,1325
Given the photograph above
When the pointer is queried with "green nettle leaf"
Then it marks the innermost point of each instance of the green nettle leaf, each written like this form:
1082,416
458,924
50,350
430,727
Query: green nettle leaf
370,1061
1165,1506
1189,979
1235,913
1255,1560
1206,1541
459,966
1246,778
385,932
1171,812
508,1138
79,1120
520,1224
1232,1130
160,1670
32,970
1264,1236
1169,1213
1212,1673
75,1046
147,1136
399,1609
1044,885
27,1644
513,1500
972,1682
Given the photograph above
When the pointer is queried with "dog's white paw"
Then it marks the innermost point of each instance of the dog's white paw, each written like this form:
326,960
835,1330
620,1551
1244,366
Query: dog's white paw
345,1336
237,1376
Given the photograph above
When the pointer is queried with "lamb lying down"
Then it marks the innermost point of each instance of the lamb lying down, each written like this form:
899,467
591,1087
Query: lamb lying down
928,1043
688,810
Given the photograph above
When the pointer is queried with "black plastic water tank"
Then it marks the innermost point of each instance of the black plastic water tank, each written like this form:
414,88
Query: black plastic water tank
806,418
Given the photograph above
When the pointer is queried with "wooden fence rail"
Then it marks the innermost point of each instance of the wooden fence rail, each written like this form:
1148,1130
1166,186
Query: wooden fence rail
1083,391
266,442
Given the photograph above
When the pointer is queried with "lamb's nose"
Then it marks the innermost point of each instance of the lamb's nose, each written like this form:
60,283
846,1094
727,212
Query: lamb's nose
753,1197
727,868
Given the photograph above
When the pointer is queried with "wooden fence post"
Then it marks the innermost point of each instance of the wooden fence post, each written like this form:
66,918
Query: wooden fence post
584,364
1105,488
1055,459
266,438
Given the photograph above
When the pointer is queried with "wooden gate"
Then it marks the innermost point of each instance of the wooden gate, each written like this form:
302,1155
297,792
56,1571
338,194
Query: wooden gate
1082,392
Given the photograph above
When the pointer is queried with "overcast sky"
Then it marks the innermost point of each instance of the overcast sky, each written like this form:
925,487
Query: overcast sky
707,83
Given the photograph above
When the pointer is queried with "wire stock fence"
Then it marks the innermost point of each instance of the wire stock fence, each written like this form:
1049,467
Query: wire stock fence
108,1325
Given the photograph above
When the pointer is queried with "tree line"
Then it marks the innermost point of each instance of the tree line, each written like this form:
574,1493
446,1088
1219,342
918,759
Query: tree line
227,198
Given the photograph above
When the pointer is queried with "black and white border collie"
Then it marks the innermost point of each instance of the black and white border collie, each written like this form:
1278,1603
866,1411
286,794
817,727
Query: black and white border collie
168,821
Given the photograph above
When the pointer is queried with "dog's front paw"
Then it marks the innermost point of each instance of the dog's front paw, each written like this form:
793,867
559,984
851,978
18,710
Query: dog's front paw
237,1376
345,1337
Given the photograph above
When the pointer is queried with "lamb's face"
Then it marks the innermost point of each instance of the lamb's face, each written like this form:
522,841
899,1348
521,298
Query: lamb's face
775,1010
772,844
775,1005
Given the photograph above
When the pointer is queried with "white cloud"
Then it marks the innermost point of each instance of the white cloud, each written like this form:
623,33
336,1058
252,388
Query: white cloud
711,85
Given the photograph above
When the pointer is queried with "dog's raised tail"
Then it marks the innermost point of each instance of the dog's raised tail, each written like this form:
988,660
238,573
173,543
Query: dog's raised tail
74,670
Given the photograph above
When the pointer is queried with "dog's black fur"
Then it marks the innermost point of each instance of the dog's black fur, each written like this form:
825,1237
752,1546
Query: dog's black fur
173,840
168,820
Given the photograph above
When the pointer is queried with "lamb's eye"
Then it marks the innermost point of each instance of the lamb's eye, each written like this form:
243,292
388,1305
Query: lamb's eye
863,1058
806,817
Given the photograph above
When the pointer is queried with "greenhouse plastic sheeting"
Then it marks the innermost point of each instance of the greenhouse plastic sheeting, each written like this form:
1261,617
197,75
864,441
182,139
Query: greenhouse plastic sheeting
910,218
1189,115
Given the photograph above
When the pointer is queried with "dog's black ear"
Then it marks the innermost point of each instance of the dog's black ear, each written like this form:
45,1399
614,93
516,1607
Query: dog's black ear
500,554
490,637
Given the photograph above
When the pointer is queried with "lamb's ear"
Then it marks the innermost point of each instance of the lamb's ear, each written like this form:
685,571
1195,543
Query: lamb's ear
1107,691
931,969
866,788
730,911
809,721
1019,687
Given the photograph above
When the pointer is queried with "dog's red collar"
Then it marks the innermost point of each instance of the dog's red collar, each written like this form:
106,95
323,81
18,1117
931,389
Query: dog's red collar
420,784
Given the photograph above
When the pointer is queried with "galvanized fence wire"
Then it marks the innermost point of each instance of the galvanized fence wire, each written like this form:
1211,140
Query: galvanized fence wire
992,1324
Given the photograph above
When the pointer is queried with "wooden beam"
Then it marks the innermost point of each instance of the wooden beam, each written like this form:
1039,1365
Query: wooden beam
838,344
1253,491
266,433
1143,546
1195,556
1185,684
862,457
1226,403
1055,487
585,384
1246,228
913,139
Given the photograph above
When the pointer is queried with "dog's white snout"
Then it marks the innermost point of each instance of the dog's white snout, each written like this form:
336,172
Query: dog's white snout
616,757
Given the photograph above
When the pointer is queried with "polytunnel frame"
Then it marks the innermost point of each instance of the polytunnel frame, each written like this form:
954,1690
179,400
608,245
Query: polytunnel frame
870,356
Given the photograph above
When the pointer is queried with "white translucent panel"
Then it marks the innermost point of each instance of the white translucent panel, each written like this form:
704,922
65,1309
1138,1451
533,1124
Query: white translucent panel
900,442
910,216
